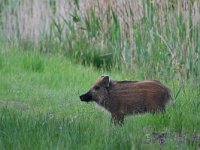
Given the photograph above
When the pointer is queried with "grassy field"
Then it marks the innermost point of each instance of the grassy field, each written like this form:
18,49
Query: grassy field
53,51
40,109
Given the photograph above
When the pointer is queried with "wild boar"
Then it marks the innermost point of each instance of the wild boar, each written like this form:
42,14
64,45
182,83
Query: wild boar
122,98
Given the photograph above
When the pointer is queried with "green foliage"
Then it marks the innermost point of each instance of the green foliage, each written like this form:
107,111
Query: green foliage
84,37
40,87
162,48
92,24
46,107
33,62
85,52
53,6
163,42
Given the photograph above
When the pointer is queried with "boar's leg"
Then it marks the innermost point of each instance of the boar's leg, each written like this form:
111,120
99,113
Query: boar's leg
160,109
117,118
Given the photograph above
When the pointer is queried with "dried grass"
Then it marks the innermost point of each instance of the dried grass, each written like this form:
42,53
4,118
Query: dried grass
29,19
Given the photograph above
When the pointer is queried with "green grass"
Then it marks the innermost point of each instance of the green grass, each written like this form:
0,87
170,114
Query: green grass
40,109
41,79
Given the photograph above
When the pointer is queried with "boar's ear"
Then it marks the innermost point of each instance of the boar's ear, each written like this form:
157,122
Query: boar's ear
106,81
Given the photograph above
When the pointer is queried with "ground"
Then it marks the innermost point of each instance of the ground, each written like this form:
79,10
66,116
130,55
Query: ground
40,109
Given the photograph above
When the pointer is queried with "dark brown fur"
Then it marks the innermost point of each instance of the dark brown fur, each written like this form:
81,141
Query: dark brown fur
122,98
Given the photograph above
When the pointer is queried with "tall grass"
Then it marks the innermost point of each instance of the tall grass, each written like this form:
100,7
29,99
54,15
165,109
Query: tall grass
156,38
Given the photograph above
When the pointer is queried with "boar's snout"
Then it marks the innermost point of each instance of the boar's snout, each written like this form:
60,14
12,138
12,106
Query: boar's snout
86,97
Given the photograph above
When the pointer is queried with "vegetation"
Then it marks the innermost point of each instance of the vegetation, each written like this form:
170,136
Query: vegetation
40,109
44,67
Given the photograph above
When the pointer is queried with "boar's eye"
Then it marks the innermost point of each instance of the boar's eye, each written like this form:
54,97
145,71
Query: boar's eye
96,87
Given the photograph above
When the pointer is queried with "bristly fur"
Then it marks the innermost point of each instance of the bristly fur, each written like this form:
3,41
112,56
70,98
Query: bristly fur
122,98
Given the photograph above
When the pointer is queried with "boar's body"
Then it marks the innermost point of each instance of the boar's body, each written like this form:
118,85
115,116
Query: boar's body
122,98
137,97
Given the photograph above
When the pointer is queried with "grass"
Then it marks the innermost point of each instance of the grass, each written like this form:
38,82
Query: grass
41,76
143,36
40,109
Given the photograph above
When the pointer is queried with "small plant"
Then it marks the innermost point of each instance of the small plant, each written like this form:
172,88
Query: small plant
33,62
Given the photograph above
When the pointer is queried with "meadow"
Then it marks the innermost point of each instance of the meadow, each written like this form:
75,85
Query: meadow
45,66
40,109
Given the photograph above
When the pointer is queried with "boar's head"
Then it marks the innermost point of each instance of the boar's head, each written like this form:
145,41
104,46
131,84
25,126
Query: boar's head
99,92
